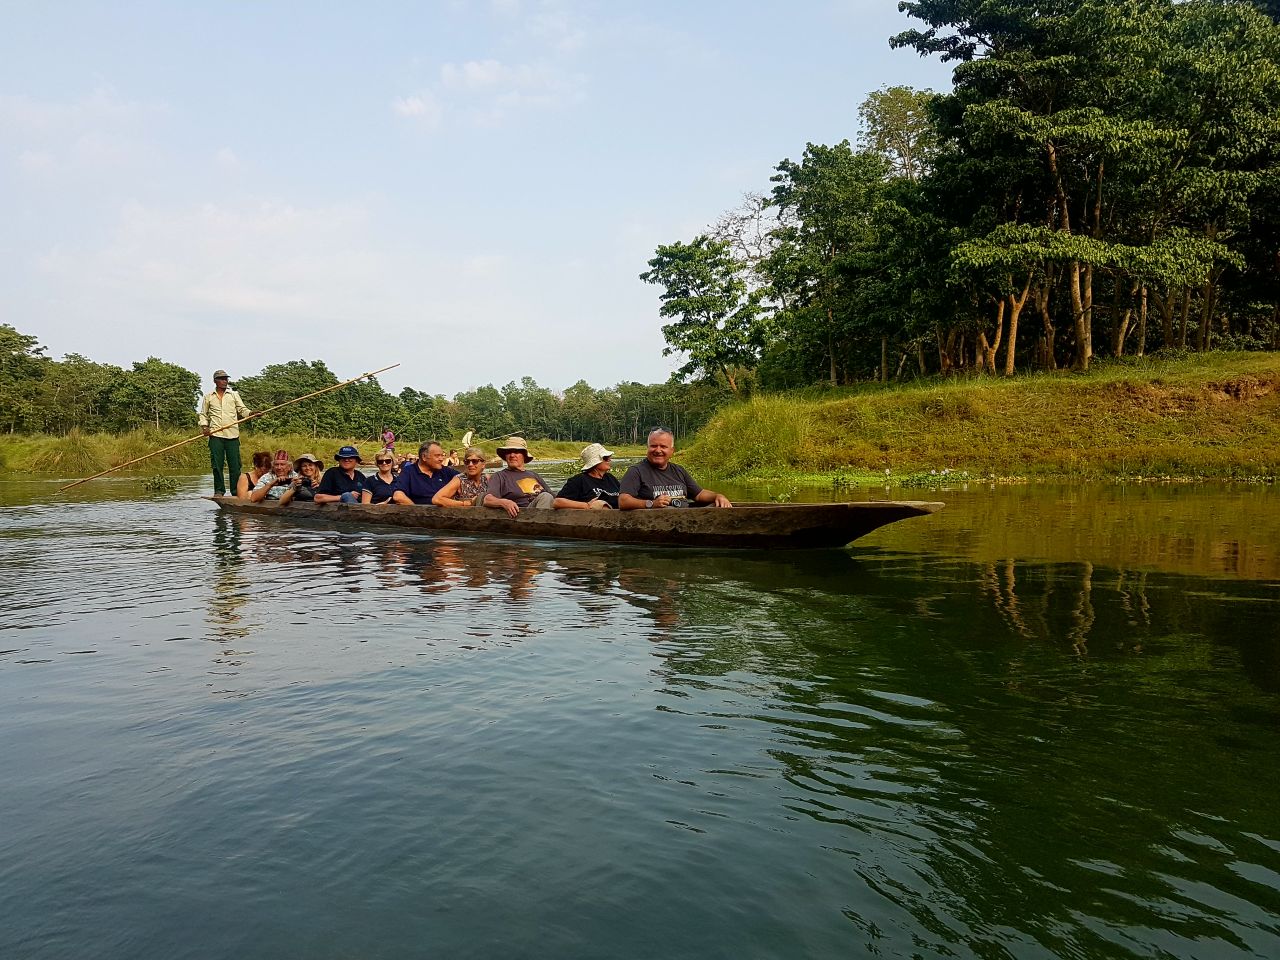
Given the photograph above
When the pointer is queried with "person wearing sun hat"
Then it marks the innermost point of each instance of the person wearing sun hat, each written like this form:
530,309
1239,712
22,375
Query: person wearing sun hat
515,488
593,487
343,483
219,409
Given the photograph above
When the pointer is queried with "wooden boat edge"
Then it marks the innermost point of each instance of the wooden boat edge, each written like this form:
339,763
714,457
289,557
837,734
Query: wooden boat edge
751,526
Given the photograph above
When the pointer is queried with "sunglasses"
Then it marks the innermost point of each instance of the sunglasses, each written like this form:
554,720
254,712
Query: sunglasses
473,460
384,461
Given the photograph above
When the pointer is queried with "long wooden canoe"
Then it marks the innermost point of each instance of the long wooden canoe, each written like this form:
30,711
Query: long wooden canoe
787,526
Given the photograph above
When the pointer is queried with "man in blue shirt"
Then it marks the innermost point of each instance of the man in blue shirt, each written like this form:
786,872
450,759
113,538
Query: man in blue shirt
419,482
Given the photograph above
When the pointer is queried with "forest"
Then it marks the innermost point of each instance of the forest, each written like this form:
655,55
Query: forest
57,397
1100,181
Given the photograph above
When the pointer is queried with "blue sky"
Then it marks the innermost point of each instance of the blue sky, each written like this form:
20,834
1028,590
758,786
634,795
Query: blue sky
467,187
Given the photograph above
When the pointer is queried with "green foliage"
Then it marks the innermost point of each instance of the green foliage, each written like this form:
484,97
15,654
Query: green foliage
716,315
81,399
1205,415
1101,178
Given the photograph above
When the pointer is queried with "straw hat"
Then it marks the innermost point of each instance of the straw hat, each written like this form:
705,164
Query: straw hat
515,444
592,455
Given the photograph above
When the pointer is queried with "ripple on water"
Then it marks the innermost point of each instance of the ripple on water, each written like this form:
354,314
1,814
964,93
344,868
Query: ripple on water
379,742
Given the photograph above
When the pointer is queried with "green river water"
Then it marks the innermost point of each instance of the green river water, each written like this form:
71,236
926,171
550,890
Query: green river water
1041,723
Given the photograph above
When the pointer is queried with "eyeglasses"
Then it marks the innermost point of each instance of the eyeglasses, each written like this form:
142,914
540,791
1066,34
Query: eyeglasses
474,460
384,461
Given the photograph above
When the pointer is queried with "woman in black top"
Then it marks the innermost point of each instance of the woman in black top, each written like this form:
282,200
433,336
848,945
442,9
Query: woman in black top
378,487
248,480
594,488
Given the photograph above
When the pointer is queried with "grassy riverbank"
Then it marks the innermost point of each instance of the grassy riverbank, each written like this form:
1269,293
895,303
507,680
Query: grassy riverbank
1214,416
81,455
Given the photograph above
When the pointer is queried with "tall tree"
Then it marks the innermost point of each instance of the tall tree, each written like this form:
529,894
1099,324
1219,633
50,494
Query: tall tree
897,124
715,314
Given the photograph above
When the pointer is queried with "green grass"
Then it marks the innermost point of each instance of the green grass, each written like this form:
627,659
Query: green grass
82,455
1211,416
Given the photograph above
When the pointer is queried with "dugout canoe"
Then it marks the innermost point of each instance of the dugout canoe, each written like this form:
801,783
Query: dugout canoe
772,526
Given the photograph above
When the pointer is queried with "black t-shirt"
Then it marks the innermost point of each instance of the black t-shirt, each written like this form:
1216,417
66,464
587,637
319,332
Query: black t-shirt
584,488
380,488
336,482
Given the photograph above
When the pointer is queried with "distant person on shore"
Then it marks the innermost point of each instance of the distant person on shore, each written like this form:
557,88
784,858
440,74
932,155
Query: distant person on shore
249,480
380,486
343,483
468,488
218,410
515,488
420,482
274,485
389,441
656,482
594,487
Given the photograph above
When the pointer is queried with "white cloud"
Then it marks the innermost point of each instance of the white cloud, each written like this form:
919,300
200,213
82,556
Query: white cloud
96,133
488,92
225,159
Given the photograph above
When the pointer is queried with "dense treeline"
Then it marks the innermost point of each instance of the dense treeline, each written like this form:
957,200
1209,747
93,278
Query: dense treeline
1100,181
43,395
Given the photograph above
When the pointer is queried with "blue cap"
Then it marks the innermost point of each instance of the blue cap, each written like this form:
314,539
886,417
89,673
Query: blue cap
347,452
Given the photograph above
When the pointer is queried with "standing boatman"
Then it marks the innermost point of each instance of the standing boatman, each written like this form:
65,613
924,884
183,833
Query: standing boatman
218,410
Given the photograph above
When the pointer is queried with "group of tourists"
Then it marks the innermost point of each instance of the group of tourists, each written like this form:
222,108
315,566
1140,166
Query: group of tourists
654,483
432,479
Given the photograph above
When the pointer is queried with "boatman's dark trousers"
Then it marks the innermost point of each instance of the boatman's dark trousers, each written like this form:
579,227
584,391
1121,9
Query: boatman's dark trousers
222,449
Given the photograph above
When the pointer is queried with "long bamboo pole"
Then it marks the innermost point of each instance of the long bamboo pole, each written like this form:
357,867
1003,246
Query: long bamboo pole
200,436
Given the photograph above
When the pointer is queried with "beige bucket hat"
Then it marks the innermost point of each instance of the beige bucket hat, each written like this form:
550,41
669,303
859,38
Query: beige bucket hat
515,443
592,455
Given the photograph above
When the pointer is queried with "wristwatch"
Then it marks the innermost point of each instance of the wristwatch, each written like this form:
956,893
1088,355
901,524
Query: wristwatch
648,504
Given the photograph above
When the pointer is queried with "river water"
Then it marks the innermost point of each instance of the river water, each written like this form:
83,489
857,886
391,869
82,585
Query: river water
1042,723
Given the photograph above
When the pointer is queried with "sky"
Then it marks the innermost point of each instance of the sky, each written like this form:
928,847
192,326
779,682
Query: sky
469,188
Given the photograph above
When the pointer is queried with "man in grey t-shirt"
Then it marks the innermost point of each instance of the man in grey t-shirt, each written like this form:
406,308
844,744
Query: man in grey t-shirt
656,482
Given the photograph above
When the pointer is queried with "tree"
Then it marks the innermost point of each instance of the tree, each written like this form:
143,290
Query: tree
157,393
826,244
897,125
716,316
22,366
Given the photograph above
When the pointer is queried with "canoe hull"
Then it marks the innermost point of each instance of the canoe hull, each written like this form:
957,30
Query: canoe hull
791,526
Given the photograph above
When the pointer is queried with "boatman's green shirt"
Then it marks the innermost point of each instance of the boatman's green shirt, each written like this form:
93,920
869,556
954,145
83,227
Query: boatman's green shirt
216,412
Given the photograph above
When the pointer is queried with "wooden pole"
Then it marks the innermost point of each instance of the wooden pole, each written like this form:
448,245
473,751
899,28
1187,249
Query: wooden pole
200,436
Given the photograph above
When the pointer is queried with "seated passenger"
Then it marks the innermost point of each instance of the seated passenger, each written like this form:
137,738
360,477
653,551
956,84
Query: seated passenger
468,488
452,459
419,482
343,483
308,467
515,488
594,487
657,482
249,480
383,483
272,486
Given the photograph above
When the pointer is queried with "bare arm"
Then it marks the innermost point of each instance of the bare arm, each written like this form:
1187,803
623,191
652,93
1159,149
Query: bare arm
710,496
627,502
445,498
490,500
260,493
